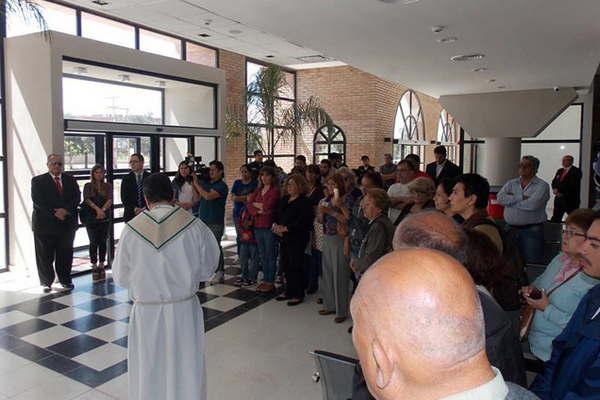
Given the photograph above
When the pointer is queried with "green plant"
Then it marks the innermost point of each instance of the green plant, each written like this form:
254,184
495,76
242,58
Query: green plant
280,120
28,10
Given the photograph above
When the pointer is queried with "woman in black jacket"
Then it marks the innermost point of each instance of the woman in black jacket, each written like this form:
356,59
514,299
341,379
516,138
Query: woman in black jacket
294,223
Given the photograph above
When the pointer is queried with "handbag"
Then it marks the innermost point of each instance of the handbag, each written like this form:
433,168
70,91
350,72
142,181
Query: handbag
246,224
528,312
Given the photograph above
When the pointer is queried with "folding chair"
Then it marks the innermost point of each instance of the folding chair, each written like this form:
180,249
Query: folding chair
335,373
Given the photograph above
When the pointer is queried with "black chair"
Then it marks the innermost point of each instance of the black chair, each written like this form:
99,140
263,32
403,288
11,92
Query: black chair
335,373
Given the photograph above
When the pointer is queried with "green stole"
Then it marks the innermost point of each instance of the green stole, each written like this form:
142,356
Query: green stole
159,232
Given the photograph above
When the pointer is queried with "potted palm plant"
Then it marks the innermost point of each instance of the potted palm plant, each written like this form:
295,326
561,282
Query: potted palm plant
276,121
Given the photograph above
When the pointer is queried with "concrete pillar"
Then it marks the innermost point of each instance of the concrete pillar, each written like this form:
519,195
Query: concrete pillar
499,159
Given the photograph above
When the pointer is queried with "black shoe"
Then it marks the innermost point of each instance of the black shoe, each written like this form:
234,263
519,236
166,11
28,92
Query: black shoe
283,297
68,286
47,289
295,302
350,329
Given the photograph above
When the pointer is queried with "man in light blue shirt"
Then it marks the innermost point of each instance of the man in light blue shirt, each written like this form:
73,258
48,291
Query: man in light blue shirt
524,200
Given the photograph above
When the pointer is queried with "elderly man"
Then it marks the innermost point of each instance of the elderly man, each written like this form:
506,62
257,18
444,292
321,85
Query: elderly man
566,186
162,257
55,198
419,331
435,230
573,371
524,200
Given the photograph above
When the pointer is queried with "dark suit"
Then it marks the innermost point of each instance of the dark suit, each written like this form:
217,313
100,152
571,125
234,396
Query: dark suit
450,170
129,195
569,187
53,237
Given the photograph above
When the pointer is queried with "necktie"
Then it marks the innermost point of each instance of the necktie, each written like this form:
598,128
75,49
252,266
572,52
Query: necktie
140,190
564,173
58,184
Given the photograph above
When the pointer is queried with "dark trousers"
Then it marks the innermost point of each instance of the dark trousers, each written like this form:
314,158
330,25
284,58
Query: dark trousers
55,248
218,230
98,234
292,265
312,270
560,208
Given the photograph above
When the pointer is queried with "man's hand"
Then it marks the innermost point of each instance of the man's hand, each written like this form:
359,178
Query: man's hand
100,214
353,265
138,210
60,213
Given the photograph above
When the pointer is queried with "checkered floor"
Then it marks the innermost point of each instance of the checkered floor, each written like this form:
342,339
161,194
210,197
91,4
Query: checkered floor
83,334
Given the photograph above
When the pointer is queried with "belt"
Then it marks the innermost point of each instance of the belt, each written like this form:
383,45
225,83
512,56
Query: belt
157,303
526,226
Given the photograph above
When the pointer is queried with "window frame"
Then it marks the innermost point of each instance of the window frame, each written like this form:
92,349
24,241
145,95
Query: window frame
409,144
329,143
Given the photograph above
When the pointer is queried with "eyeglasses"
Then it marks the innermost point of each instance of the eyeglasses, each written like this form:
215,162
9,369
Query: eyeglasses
567,232
57,163
133,162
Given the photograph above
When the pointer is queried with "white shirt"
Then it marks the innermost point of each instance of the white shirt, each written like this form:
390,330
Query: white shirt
521,211
397,190
596,313
186,193
439,168
495,389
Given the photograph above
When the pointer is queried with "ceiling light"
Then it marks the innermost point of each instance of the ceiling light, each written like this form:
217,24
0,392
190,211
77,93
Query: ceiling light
314,58
161,83
501,87
480,69
492,81
207,21
468,57
447,39
100,2
204,35
235,31
410,1
562,147
124,78
437,28
81,70
270,56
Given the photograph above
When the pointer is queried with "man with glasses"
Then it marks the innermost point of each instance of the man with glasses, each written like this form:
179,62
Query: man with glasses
573,371
524,200
132,194
55,198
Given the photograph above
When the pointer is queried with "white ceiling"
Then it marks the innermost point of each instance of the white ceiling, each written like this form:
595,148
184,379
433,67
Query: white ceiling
529,44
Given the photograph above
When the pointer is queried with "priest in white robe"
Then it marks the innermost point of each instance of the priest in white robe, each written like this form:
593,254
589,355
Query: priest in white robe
162,256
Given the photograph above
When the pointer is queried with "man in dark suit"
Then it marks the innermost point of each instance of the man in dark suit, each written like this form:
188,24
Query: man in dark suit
55,198
566,186
132,185
442,167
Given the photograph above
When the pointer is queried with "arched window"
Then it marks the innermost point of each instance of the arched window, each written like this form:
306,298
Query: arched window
447,136
409,131
329,140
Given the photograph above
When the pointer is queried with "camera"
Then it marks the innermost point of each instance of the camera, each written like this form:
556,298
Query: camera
201,170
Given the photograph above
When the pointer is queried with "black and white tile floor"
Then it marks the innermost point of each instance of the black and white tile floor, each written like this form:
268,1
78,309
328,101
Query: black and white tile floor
82,335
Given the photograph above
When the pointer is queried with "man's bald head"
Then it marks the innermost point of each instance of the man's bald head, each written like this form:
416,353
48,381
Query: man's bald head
417,316
432,230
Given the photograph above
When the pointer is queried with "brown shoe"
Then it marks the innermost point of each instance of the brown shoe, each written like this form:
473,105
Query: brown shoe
326,312
265,287
319,300
339,320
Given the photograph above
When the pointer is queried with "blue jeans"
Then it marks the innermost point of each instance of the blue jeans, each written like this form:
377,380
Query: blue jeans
266,251
248,261
531,243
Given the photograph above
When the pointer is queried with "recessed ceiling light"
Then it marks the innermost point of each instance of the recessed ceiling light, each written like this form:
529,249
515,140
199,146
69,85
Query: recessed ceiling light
125,78
314,58
161,83
468,57
480,69
81,70
204,35
492,81
270,56
501,87
447,39
562,147
100,2
410,1
235,31
437,28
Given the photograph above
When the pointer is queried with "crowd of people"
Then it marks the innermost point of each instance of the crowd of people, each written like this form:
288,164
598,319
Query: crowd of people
349,235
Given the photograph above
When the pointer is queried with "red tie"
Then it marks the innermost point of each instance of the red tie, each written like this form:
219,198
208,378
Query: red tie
58,184
564,173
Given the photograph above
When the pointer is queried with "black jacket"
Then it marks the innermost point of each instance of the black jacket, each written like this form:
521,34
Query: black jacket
569,187
129,195
46,199
450,170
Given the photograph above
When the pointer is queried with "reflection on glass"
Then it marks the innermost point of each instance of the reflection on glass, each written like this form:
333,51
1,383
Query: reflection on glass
110,102
174,151
58,18
160,44
80,152
200,54
107,30
252,71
